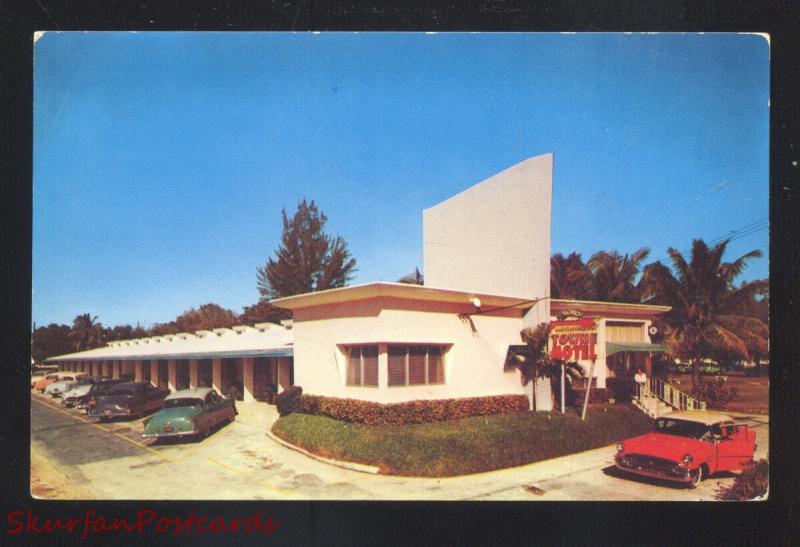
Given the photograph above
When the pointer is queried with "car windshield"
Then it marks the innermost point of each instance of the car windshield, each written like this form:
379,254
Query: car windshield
120,392
173,403
681,428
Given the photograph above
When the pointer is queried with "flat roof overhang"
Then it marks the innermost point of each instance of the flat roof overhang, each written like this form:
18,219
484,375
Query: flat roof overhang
399,290
232,354
608,309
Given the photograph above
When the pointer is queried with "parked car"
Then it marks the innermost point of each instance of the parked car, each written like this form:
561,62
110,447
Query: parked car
40,373
687,447
80,394
128,399
36,379
188,412
69,376
67,382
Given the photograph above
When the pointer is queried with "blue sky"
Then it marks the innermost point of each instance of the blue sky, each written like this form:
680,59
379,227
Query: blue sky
162,160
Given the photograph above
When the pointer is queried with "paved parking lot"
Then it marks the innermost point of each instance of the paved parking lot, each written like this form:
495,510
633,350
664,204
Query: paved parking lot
111,461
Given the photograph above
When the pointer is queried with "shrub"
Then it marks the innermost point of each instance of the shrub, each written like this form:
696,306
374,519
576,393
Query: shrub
620,389
411,412
716,392
288,401
752,483
598,395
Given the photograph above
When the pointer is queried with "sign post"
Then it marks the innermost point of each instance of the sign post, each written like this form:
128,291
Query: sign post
588,389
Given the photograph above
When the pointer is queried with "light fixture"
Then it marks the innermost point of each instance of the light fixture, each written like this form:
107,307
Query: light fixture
476,302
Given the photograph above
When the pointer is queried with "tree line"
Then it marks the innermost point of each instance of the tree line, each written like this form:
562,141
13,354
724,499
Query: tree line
711,315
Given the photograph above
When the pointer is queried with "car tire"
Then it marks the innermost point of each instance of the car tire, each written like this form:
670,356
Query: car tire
697,477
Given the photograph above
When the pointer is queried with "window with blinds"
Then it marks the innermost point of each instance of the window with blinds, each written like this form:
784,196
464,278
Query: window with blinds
415,365
362,366
624,332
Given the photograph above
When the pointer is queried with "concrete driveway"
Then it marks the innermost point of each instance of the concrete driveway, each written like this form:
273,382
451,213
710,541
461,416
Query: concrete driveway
239,461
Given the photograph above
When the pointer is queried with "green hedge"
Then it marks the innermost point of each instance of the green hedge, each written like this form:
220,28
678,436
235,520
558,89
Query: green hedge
411,412
288,401
598,395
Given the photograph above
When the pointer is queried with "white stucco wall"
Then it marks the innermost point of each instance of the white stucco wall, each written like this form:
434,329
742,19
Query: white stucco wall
473,364
495,236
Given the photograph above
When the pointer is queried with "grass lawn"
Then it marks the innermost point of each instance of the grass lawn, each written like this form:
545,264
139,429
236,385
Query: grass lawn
459,447
752,392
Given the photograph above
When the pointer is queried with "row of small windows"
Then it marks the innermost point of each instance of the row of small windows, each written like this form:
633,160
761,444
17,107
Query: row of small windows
409,365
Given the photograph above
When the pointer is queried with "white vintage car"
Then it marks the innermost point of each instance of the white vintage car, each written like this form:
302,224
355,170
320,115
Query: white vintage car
70,396
64,384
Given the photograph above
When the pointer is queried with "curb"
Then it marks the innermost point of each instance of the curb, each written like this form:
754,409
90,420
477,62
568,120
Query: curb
352,466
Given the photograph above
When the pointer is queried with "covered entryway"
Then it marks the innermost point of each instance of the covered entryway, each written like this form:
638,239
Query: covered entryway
264,379
163,374
181,375
232,378
204,373
626,349
146,371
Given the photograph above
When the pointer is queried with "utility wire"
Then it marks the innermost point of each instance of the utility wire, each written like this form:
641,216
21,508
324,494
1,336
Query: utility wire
738,233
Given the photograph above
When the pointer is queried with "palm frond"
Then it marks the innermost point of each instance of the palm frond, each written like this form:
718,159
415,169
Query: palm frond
728,341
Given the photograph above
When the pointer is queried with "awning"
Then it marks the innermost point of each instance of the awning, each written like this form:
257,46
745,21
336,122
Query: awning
267,352
618,347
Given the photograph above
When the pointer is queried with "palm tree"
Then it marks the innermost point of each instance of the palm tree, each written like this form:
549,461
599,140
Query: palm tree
709,316
614,275
569,277
535,362
412,278
85,332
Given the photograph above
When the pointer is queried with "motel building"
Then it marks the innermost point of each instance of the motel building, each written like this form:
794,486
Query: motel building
487,276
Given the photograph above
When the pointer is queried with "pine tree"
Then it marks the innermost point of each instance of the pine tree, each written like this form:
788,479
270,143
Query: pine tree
308,259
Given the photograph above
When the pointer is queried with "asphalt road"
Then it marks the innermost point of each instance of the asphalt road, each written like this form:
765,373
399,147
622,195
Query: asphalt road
70,439
239,461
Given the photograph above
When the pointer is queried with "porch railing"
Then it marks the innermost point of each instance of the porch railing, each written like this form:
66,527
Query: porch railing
673,396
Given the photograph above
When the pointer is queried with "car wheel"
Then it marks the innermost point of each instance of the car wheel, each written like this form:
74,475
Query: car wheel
696,476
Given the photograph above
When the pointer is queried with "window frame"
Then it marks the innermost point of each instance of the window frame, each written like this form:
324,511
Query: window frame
347,353
407,360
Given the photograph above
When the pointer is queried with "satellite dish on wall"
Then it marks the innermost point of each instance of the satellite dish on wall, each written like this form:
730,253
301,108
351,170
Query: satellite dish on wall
653,330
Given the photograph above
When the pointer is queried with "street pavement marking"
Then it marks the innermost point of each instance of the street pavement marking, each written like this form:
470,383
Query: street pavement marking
98,426
194,449
238,471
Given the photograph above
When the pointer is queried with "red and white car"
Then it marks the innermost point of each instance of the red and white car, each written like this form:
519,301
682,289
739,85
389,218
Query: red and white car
687,447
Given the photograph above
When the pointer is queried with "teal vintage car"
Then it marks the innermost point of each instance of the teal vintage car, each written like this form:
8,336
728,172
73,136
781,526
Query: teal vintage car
188,412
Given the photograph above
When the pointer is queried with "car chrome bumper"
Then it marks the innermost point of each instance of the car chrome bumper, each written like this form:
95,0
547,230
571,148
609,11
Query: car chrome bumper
168,435
683,476
111,414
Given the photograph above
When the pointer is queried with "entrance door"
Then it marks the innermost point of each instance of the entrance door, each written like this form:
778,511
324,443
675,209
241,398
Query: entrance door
233,378
163,374
204,373
181,375
145,371
263,379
